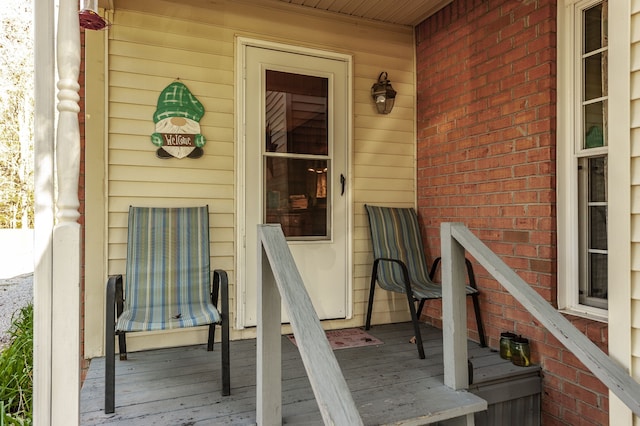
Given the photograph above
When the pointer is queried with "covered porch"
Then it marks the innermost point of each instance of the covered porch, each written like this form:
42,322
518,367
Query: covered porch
389,384
120,98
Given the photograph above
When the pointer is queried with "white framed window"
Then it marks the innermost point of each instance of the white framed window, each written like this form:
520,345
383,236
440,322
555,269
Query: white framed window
583,154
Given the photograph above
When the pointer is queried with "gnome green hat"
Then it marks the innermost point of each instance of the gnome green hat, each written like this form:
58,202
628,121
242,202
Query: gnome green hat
177,101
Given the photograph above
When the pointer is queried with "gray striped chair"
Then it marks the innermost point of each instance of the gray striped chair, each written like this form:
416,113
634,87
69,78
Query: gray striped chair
400,265
168,284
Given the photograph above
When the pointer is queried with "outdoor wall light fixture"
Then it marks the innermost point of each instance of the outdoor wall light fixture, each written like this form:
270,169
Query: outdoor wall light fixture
383,94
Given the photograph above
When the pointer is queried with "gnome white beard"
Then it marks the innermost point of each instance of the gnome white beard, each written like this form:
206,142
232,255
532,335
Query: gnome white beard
190,127
166,126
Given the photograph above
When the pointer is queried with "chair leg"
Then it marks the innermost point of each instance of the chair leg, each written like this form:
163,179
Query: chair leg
212,336
416,326
220,278
226,367
420,307
122,345
476,303
410,298
110,376
374,277
476,308
412,308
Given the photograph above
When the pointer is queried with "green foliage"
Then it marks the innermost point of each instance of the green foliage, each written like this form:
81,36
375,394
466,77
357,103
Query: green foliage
16,364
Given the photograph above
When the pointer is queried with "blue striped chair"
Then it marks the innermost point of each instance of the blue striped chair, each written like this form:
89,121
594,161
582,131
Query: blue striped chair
168,284
400,265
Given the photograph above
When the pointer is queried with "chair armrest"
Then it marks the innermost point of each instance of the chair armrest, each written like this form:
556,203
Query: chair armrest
468,265
221,287
434,268
403,267
115,295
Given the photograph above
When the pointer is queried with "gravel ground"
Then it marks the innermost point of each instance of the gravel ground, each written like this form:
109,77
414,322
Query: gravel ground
15,293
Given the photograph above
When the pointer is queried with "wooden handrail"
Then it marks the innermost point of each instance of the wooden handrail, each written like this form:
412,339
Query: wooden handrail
455,239
280,280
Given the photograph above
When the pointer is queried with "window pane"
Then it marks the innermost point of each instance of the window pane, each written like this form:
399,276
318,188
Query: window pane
595,293
598,276
594,76
597,179
598,227
594,124
296,196
595,28
594,86
593,208
591,106
296,113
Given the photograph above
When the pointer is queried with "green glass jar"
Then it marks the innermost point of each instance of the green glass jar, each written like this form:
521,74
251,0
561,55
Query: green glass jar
506,340
521,352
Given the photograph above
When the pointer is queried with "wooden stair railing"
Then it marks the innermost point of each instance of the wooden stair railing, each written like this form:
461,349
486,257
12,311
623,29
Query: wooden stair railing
279,280
455,239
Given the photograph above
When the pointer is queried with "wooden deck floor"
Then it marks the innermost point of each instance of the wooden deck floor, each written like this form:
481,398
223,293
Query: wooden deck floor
181,386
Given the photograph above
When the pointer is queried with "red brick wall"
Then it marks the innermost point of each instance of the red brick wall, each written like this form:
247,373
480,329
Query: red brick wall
486,113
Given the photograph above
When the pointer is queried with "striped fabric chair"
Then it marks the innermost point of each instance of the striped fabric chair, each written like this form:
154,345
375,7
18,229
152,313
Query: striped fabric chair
400,265
168,284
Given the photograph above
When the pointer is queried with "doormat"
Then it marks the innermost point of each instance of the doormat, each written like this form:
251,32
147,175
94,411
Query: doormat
347,338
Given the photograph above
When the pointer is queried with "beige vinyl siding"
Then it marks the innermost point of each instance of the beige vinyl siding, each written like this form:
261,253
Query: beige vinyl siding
152,43
635,190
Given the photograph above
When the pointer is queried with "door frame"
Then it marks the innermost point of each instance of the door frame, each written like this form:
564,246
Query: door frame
241,44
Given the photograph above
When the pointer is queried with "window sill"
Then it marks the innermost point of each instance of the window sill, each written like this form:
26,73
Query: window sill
587,313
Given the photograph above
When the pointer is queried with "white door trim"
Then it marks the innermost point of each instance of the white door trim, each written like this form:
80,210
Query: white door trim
241,44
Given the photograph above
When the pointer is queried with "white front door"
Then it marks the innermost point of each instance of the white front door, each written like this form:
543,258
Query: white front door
295,172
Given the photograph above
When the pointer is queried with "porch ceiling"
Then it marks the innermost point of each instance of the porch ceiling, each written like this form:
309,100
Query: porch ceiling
408,13
399,12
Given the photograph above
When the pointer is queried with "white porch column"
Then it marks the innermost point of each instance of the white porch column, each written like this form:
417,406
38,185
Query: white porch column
65,351
44,75
57,247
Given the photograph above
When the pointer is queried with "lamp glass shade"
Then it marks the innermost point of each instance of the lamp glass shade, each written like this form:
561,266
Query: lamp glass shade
383,94
91,5
388,105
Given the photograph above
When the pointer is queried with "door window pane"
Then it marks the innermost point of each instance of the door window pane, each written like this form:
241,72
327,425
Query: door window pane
296,155
296,196
296,113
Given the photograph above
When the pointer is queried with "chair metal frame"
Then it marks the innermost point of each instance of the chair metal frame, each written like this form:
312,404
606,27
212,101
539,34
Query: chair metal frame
412,299
219,289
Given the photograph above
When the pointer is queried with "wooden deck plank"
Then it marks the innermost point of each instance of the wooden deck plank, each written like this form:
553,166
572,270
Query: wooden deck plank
389,383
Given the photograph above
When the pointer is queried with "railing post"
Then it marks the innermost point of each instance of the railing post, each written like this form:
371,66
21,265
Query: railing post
454,310
280,278
269,350
65,311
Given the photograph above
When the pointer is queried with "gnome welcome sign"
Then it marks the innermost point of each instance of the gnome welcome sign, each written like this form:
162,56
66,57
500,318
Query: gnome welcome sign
177,120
